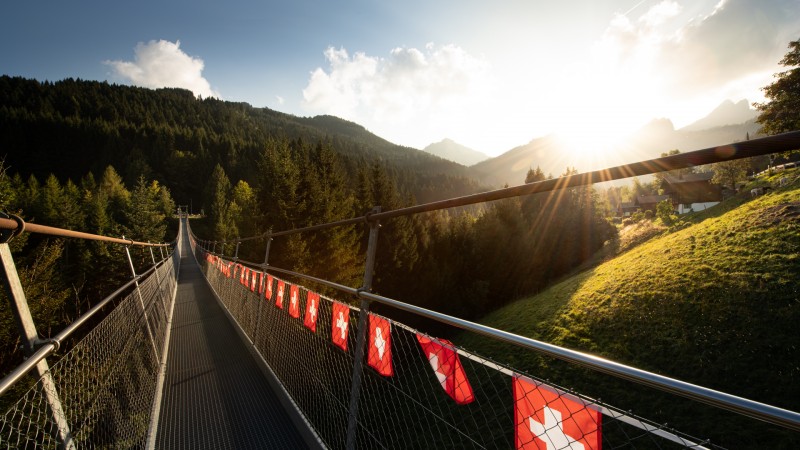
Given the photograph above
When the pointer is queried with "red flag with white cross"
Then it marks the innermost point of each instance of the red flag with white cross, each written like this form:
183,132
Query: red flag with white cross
281,290
340,322
268,287
294,301
442,356
379,356
253,281
261,282
312,311
546,418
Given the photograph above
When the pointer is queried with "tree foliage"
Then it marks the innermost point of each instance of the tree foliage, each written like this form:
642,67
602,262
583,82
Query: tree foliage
728,173
781,112
62,278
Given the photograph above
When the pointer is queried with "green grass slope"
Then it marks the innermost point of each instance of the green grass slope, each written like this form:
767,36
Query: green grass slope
716,303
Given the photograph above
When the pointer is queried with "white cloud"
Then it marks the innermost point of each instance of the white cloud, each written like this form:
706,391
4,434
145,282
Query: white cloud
163,64
410,88
280,100
730,50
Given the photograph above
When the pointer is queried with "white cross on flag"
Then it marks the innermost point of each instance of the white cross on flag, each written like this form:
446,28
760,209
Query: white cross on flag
279,297
379,356
547,419
312,311
261,282
294,301
241,273
340,323
253,279
268,288
444,361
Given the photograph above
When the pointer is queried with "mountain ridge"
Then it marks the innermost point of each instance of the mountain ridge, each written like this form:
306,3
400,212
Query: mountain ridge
727,113
453,151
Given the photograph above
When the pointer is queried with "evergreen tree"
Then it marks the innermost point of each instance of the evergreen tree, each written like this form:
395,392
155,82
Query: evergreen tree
781,112
335,250
146,221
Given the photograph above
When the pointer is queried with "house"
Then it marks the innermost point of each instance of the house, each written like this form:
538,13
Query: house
649,202
692,191
626,209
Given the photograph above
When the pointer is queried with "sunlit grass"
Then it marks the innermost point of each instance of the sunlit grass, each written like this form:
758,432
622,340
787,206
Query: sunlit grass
714,301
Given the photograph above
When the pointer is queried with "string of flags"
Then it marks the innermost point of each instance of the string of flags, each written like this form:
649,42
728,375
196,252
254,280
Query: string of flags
545,418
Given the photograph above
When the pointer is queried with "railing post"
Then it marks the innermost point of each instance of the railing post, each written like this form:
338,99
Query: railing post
263,282
361,340
158,280
30,338
266,252
141,302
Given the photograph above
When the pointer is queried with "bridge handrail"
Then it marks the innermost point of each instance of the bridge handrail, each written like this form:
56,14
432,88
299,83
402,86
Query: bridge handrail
16,225
722,153
751,408
756,147
53,344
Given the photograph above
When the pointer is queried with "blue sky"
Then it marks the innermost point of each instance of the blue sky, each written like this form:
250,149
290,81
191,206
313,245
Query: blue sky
490,75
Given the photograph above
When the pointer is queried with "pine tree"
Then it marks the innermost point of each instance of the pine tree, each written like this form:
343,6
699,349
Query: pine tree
335,250
781,112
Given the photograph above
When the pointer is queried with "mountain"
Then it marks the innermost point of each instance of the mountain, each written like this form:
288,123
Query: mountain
727,113
453,151
547,153
73,126
552,154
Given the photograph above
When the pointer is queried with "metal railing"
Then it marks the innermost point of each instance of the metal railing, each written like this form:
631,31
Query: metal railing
295,363
102,391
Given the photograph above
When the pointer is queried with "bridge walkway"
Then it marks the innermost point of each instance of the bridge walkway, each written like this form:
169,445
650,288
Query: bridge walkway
215,395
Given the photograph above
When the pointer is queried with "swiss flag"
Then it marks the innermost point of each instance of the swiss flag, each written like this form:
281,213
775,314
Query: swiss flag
444,361
379,340
546,418
279,297
294,301
260,282
253,280
241,274
340,322
312,311
268,287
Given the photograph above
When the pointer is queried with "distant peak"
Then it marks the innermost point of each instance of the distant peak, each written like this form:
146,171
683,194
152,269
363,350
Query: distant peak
727,113
453,151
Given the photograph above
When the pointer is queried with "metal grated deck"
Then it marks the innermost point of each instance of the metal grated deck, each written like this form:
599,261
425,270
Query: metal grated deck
215,396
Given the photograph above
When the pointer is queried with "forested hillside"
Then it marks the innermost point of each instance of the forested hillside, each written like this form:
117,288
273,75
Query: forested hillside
254,169
70,127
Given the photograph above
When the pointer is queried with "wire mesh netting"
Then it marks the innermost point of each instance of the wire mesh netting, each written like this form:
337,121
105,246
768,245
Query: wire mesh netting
106,383
415,391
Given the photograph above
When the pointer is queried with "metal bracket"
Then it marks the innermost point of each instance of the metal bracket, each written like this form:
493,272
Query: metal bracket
7,235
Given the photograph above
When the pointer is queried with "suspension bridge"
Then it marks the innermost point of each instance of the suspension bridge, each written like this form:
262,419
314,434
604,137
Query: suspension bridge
204,350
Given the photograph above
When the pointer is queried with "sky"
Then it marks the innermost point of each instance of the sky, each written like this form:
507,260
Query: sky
489,75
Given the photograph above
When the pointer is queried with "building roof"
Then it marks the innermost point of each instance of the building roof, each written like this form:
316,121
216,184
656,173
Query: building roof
688,178
648,199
